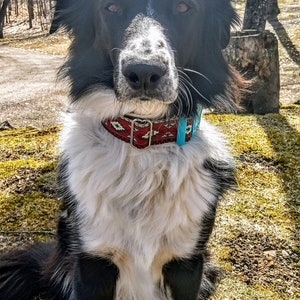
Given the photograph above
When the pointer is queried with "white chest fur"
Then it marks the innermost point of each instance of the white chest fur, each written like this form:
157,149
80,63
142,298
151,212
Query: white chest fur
140,208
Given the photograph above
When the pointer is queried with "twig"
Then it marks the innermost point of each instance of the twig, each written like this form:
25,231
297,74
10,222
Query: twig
27,232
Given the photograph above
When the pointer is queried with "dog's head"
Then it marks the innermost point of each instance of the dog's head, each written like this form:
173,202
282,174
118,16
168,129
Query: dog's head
159,51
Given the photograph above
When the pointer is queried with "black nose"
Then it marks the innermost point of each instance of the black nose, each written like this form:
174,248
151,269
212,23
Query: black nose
142,76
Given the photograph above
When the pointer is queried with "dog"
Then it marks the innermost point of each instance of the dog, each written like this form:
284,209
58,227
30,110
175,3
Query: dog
141,173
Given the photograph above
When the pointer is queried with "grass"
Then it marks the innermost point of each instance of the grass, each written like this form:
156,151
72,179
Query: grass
28,159
263,215
55,44
256,238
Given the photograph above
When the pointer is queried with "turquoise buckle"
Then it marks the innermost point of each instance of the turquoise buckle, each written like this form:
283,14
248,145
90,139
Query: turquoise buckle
183,128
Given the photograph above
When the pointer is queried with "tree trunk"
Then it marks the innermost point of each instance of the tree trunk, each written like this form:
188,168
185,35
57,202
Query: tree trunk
16,8
2,16
255,55
8,12
30,12
56,21
255,15
273,10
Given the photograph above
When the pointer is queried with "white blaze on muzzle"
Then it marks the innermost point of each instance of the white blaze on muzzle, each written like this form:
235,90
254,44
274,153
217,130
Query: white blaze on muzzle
146,67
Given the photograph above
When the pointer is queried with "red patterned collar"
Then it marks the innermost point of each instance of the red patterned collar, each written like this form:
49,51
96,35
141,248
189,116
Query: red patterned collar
141,133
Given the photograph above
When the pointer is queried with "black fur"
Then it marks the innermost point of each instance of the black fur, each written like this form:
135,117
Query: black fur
61,270
183,277
21,272
89,271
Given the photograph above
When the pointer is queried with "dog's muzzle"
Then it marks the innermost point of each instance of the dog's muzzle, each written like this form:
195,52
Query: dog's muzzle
146,67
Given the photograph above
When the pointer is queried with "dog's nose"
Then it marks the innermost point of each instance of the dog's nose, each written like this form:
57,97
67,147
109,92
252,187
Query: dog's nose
142,76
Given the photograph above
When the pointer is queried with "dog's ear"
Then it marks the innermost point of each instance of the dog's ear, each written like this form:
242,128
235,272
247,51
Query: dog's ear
220,18
75,16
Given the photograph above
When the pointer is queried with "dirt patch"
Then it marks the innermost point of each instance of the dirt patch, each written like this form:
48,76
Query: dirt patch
29,180
264,260
259,162
19,239
30,94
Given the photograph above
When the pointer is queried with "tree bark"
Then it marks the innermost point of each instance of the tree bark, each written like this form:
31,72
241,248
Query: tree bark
56,21
16,7
255,55
30,12
273,10
2,16
255,15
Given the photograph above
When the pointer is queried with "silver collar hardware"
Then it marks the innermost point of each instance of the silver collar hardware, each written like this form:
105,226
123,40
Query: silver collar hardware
144,122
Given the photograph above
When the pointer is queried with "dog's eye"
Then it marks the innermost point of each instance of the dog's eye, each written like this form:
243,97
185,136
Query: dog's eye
113,8
182,7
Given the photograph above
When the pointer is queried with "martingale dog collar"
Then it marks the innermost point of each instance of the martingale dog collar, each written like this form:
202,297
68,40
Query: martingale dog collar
142,133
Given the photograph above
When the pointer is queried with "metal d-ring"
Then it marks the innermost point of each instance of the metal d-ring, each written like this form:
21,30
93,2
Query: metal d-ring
133,122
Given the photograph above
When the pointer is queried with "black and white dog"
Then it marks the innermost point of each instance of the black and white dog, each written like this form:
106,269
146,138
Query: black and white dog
140,182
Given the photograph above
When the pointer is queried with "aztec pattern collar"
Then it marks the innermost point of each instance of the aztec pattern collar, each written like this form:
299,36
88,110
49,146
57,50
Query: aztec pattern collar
142,133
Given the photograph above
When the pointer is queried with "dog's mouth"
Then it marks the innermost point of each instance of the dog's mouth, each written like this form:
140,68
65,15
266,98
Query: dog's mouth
145,98
150,109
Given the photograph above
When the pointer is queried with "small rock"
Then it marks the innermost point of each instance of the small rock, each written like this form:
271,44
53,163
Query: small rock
270,264
5,126
285,254
270,253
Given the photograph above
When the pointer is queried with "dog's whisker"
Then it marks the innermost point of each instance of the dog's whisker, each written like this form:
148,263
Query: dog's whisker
183,74
116,49
185,83
188,83
182,96
186,94
198,73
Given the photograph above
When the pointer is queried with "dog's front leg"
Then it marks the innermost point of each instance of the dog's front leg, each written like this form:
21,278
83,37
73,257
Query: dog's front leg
95,278
183,277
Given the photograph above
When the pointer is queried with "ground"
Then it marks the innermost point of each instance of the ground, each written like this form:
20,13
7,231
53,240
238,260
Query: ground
256,239
30,95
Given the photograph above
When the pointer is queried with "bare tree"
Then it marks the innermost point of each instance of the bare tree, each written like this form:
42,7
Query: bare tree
273,10
255,15
2,16
16,7
56,18
30,12
257,12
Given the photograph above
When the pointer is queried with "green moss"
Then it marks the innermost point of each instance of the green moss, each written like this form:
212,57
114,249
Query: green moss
10,168
264,212
28,142
30,212
27,179
234,289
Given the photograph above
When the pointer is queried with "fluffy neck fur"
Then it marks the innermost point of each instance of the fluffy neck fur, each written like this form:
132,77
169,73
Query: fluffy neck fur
140,208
